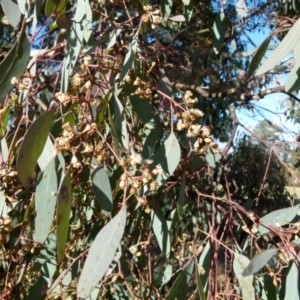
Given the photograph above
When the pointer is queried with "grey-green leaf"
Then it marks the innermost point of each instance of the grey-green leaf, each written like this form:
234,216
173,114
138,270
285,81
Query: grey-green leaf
45,201
143,109
285,47
32,147
64,202
102,189
258,56
292,283
14,63
219,30
161,231
278,217
293,81
101,254
11,11
259,261
204,263
246,283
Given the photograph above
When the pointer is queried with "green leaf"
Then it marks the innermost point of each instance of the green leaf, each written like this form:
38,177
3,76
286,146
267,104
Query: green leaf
3,151
166,85
150,142
101,254
181,196
12,11
292,282
47,155
284,48
293,81
180,285
278,217
143,109
219,30
161,231
88,24
212,158
246,283
199,285
102,189
259,261
166,8
64,202
74,44
52,4
14,63
120,122
168,157
204,263
258,56
113,38
32,147
4,117
129,58
45,201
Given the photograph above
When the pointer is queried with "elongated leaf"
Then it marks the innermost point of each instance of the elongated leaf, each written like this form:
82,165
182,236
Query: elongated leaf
293,81
259,261
179,18
212,158
32,147
150,142
3,151
181,196
129,58
278,217
101,254
4,117
120,121
52,4
102,189
47,155
200,286
64,202
166,7
219,30
24,6
180,286
74,44
285,47
161,231
14,63
204,264
258,56
241,8
292,283
143,109
168,157
12,11
45,202
88,30
246,283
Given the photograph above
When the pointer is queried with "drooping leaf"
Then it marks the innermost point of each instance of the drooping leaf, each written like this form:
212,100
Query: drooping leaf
101,254
121,124
74,44
293,81
178,18
64,202
259,261
166,7
143,109
245,283
168,157
88,24
129,58
166,84
32,147
199,285
186,2
212,158
24,6
181,196
102,189
113,38
4,117
12,11
278,218
150,142
258,56
180,285
161,231
292,283
204,264
285,47
14,63
3,151
45,202
219,30
47,155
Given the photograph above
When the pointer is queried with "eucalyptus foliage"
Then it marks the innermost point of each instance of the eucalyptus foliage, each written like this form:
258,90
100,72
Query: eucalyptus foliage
112,184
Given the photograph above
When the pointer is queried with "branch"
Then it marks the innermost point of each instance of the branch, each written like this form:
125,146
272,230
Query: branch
246,54
232,91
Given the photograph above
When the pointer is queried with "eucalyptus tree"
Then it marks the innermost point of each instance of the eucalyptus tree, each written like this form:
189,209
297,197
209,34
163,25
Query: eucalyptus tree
112,182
